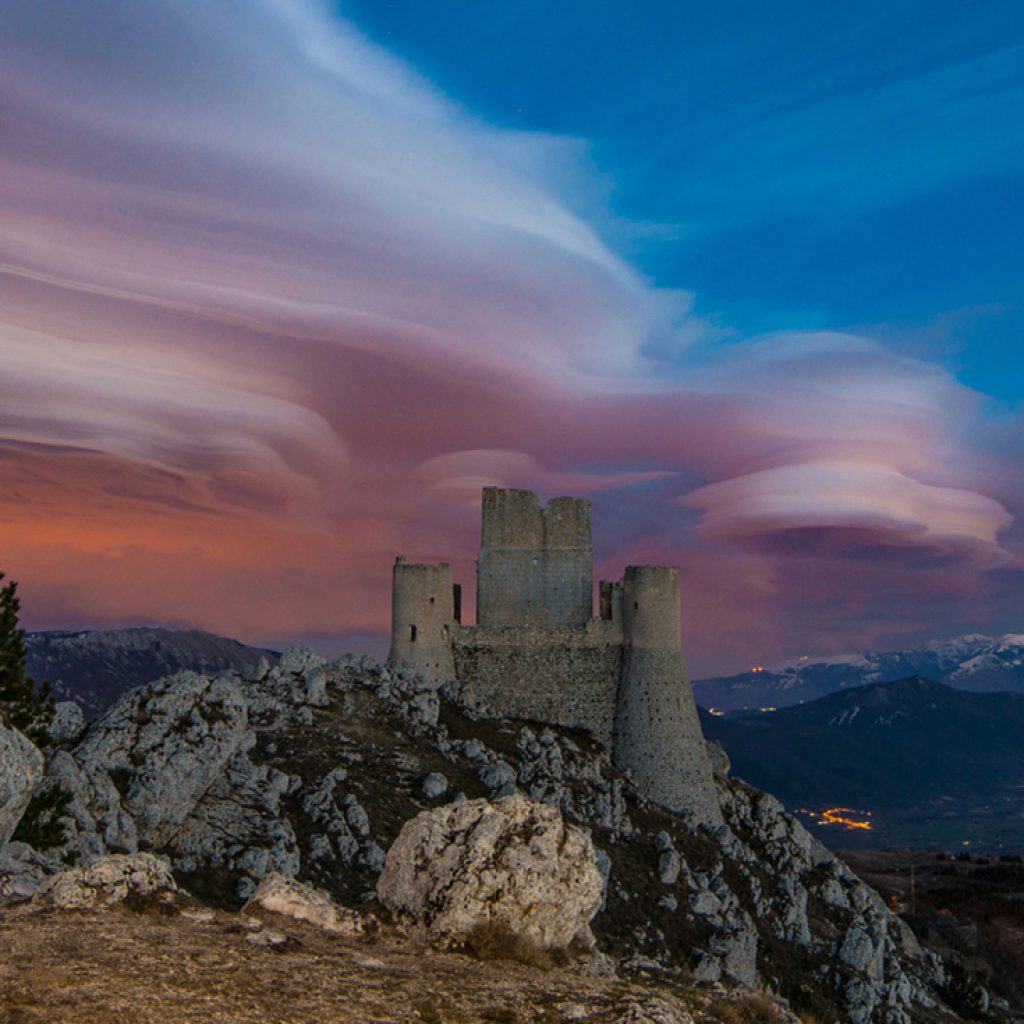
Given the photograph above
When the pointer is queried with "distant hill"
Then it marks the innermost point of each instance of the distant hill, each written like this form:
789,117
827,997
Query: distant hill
93,668
976,663
934,766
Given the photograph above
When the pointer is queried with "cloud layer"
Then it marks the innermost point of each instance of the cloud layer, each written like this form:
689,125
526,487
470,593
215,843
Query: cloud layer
273,309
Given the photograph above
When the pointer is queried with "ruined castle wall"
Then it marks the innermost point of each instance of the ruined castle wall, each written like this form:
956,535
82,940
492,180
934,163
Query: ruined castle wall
657,734
422,619
535,565
567,676
536,653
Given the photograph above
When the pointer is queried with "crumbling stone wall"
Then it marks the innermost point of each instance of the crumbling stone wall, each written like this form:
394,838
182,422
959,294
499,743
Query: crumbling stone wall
567,676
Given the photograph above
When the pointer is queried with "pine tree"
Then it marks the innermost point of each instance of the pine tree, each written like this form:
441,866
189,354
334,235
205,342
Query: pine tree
21,704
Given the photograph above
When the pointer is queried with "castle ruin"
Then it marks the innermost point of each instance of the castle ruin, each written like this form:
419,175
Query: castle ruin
536,651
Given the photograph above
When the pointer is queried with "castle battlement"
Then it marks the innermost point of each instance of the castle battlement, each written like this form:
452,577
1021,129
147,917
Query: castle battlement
538,653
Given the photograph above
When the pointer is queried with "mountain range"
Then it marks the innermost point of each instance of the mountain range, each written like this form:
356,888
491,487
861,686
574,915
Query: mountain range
93,668
919,762
980,664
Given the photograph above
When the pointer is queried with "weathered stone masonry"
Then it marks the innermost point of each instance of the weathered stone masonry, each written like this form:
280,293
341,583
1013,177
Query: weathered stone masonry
537,653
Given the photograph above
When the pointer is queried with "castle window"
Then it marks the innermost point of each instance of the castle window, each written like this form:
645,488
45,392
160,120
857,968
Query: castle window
412,632
431,600
636,606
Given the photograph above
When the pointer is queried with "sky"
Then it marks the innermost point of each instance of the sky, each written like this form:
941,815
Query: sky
284,283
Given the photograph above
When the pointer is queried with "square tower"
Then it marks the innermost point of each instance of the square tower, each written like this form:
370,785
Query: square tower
536,564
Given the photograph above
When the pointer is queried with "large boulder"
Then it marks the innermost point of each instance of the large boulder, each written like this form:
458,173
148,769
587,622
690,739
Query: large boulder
163,745
109,880
21,769
512,863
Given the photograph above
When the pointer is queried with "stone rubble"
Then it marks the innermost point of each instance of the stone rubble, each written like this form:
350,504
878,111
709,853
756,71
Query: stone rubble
267,937
22,871
652,1010
285,896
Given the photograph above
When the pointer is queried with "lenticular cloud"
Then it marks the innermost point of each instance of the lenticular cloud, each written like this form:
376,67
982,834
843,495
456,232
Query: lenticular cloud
855,454
854,508
271,168
273,308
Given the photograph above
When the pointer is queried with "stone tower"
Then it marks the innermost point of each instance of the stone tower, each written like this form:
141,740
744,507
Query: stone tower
423,614
537,653
657,734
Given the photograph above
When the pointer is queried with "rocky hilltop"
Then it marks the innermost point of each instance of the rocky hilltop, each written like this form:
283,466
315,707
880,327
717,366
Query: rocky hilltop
311,771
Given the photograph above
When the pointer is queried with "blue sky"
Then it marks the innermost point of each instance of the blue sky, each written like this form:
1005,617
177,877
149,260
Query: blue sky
795,165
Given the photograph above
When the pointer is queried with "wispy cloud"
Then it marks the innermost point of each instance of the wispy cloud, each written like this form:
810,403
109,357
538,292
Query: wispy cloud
272,308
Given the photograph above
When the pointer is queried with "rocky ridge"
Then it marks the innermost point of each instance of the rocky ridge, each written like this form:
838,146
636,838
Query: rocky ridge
311,770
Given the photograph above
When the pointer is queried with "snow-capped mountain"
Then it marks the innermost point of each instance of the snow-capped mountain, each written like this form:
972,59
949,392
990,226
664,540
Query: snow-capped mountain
981,664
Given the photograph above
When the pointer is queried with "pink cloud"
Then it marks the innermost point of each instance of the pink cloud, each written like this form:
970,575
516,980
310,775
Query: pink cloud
460,476
272,309
846,507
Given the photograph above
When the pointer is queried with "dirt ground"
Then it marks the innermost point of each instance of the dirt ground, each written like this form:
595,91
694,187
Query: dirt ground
120,966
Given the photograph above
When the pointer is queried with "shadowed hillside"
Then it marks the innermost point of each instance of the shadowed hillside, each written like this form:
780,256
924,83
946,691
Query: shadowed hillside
922,763
93,668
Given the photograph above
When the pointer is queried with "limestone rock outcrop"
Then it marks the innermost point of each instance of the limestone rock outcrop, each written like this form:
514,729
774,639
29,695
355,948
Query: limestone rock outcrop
144,765
168,742
109,880
21,769
285,896
67,724
877,968
22,871
239,825
512,863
